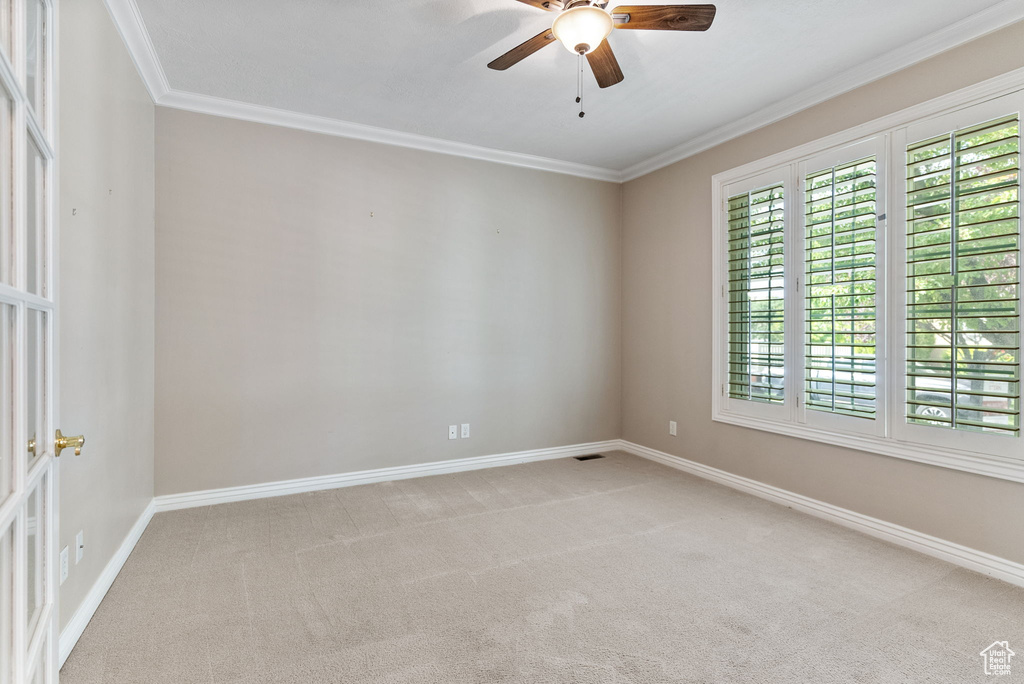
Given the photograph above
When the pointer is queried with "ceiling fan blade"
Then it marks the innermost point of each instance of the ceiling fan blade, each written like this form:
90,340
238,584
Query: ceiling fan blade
549,5
523,51
605,66
665,17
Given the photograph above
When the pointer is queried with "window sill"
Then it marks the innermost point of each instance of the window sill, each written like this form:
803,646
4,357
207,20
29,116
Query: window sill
972,462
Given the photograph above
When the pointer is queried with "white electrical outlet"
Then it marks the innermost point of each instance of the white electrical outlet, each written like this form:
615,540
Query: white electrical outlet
453,432
465,430
672,428
63,564
79,545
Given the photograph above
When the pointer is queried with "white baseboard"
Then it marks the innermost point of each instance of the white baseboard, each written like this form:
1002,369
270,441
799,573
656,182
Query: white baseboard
171,502
73,631
972,559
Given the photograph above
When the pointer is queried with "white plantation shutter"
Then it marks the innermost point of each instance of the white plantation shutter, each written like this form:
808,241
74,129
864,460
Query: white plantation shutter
756,295
900,321
963,279
841,286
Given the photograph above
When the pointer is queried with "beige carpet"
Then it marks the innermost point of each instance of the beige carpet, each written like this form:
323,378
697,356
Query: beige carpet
610,570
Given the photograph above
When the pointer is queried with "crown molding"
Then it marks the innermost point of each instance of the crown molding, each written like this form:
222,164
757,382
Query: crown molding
975,26
129,23
206,104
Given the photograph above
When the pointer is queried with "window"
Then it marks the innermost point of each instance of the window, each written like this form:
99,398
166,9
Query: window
839,231
963,279
756,295
889,326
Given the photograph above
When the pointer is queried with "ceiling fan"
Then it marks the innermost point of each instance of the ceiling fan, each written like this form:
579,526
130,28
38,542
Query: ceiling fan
583,26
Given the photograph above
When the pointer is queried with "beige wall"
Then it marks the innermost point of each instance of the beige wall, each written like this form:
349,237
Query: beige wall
297,335
667,321
106,291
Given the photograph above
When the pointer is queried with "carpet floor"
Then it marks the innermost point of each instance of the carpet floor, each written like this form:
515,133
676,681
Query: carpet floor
609,570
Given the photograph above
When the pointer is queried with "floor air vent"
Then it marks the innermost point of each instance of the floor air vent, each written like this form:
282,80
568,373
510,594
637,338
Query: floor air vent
588,458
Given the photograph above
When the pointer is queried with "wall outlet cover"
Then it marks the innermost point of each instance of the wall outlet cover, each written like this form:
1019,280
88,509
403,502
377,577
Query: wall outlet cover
453,432
465,430
63,564
672,428
79,545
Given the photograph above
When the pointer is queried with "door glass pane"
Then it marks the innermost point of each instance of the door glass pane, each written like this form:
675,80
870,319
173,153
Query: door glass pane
35,66
6,606
6,7
35,367
6,188
39,668
35,219
6,401
34,558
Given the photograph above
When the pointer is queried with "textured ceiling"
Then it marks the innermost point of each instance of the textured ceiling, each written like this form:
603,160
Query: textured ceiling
419,66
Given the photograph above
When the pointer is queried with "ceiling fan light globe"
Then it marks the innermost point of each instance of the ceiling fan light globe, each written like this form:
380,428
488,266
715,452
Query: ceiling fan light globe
582,29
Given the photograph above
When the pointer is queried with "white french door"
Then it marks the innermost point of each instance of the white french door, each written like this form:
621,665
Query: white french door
27,325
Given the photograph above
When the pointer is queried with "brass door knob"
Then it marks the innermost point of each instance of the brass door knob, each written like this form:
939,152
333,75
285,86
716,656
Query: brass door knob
60,442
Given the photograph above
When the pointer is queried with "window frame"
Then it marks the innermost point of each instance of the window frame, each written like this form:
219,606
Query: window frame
890,435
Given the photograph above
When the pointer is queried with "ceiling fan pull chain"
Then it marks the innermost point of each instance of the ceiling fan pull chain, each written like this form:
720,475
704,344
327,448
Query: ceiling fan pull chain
579,97
579,82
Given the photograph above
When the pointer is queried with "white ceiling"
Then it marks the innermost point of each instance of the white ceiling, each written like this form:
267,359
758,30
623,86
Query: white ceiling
419,66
